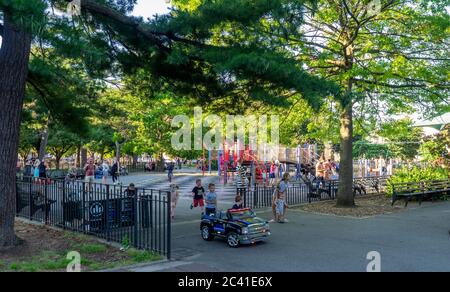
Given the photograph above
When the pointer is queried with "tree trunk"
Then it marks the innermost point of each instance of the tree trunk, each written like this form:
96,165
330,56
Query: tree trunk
118,154
345,192
135,160
160,164
84,154
14,58
58,160
43,145
78,158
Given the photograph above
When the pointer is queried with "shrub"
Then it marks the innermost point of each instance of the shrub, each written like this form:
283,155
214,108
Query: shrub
416,174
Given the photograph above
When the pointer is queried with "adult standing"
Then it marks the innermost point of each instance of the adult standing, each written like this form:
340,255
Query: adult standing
241,178
170,168
42,171
284,185
272,171
320,172
105,171
328,169
113,172
28,171
89,172
277,171
281,189
36,169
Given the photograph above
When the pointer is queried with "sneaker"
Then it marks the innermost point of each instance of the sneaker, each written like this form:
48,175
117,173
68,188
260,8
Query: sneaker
281,221
192,206
271,220
285,221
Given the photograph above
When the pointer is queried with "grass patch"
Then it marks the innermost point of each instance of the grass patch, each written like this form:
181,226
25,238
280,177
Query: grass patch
140,256
91,248
47,249
58,264
24,267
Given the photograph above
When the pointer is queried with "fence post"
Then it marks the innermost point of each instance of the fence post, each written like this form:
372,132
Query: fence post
63,204
135,219
45,202
30,202
85,230
255,196
108,226
169,225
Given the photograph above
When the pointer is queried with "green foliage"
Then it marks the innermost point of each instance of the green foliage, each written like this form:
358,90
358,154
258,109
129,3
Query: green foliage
436,149
367,150
403,139
125,242
416,174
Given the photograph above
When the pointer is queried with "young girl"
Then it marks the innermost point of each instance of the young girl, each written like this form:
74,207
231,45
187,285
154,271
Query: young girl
280,205
175,196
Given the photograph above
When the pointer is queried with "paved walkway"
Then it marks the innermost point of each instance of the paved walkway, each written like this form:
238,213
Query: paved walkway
415,240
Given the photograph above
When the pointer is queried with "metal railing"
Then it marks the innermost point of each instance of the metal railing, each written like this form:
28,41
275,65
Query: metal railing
139,218
261,196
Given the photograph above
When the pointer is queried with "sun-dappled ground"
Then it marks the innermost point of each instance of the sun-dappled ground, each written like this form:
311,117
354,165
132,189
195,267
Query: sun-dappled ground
366,206
46,249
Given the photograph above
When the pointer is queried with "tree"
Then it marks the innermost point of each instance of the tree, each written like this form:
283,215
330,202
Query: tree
403,139
436,149
60,142
21,21
395,56
14,55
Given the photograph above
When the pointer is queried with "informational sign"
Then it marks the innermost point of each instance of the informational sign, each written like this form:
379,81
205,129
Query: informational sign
112,214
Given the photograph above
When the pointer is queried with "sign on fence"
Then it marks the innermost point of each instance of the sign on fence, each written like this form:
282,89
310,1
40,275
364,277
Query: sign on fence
115,213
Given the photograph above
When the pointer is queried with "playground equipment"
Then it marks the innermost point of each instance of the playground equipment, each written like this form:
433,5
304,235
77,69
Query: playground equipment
258,161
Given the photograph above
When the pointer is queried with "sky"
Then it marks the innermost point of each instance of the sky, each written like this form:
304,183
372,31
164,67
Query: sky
148,8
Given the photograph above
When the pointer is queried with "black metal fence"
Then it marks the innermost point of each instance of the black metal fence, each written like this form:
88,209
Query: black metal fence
261,196
139,218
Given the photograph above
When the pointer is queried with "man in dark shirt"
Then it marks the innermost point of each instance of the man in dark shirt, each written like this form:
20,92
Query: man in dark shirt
198,195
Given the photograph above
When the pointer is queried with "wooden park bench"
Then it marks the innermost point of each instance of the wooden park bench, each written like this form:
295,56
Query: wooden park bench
330,189
316,191
27,195
419,190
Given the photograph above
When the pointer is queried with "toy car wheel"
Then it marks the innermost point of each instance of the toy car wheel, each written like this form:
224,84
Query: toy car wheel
233,240
206,233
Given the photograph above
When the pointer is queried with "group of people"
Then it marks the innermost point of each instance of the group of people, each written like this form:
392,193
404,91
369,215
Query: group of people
327,170
207,200
91,169
36,169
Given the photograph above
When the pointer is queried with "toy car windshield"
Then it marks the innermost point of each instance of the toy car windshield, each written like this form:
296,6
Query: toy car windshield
241,214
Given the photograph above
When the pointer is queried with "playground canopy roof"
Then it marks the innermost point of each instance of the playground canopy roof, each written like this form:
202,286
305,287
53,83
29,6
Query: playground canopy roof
437,123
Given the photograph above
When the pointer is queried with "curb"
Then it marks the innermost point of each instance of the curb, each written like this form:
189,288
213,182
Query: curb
136,266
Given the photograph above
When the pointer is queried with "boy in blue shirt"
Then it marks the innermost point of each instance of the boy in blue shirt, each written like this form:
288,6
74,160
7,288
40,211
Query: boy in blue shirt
211,200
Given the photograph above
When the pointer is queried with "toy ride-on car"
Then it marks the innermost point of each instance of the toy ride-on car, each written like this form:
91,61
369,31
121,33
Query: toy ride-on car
236,226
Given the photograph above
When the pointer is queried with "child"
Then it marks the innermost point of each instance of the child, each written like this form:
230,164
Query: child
211,200
131,191
238,203
280,205
198,195
175,196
